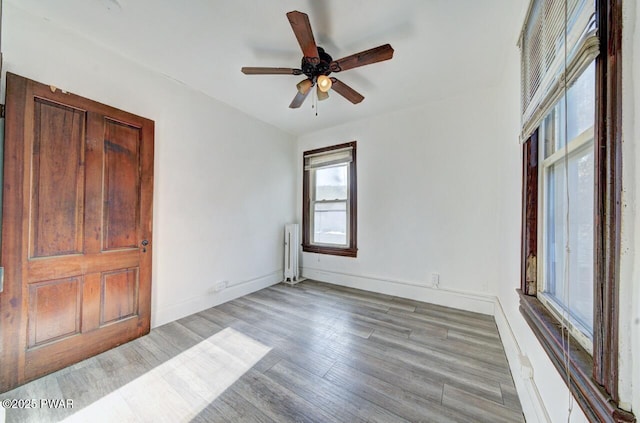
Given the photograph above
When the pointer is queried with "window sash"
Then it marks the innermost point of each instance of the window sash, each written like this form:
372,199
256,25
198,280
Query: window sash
554,290
579,331
313,202
313,223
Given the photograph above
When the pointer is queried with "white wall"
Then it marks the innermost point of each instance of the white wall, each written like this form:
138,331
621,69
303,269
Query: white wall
224,184
629,363
439,189
428,201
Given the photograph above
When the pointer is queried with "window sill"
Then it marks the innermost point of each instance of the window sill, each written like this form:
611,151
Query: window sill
334,251
594,401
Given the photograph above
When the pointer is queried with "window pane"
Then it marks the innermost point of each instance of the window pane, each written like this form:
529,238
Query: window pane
330,223
578,298
331,183
580,113
550,133
581,103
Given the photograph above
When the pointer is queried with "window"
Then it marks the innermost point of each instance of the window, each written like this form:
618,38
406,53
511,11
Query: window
329,200
571,189
565,282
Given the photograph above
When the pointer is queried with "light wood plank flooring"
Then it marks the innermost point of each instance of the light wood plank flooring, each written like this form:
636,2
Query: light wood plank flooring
314,352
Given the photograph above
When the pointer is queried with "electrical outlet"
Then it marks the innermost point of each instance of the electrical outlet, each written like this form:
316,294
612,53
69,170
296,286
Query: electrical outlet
435,280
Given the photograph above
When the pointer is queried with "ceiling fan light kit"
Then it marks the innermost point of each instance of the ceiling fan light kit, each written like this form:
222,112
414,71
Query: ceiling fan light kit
317,65
324,83
322,95
304,86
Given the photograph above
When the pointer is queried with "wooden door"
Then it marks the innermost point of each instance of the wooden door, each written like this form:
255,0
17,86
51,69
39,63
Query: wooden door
76,242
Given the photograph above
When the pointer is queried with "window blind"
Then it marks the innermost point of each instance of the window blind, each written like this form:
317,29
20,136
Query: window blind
542,44
330,158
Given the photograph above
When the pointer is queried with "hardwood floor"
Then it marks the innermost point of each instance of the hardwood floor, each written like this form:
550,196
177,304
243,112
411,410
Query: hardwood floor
314,352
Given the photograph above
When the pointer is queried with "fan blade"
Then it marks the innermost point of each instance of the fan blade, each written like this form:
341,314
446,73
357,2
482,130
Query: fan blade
346,91
302,29
298,100
367,57
270,71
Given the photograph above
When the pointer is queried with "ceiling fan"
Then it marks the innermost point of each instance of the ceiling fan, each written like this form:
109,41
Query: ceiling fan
317,65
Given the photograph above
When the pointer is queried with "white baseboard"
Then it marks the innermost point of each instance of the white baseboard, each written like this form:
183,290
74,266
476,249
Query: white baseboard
532,405
207,300
406,289
521,369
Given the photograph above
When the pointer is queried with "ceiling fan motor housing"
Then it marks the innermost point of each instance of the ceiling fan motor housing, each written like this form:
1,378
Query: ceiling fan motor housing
313,67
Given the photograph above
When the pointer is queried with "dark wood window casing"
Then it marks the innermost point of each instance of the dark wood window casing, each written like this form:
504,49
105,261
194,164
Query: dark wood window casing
593,379
351,250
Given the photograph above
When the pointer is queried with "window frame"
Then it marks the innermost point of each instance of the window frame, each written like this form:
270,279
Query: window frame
594,378
350,250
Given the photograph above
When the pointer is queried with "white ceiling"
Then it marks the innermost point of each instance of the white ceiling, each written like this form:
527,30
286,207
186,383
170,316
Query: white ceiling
442,48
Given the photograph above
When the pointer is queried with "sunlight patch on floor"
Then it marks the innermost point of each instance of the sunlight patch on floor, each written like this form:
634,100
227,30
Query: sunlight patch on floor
182,387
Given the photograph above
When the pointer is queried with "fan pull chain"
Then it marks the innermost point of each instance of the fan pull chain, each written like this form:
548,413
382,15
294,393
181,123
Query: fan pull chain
314,99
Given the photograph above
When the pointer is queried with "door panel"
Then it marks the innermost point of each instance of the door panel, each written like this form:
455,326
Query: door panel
119,295
78,189
122,180
54,310
58,180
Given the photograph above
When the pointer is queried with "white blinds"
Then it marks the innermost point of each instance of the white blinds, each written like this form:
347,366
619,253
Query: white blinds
542,45
330,158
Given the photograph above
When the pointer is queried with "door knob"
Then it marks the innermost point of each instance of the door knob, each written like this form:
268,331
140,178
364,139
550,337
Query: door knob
144,243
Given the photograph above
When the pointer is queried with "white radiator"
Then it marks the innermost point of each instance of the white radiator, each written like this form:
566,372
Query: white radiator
291,253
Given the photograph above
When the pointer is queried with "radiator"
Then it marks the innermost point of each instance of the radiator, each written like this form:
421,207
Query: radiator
291,253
